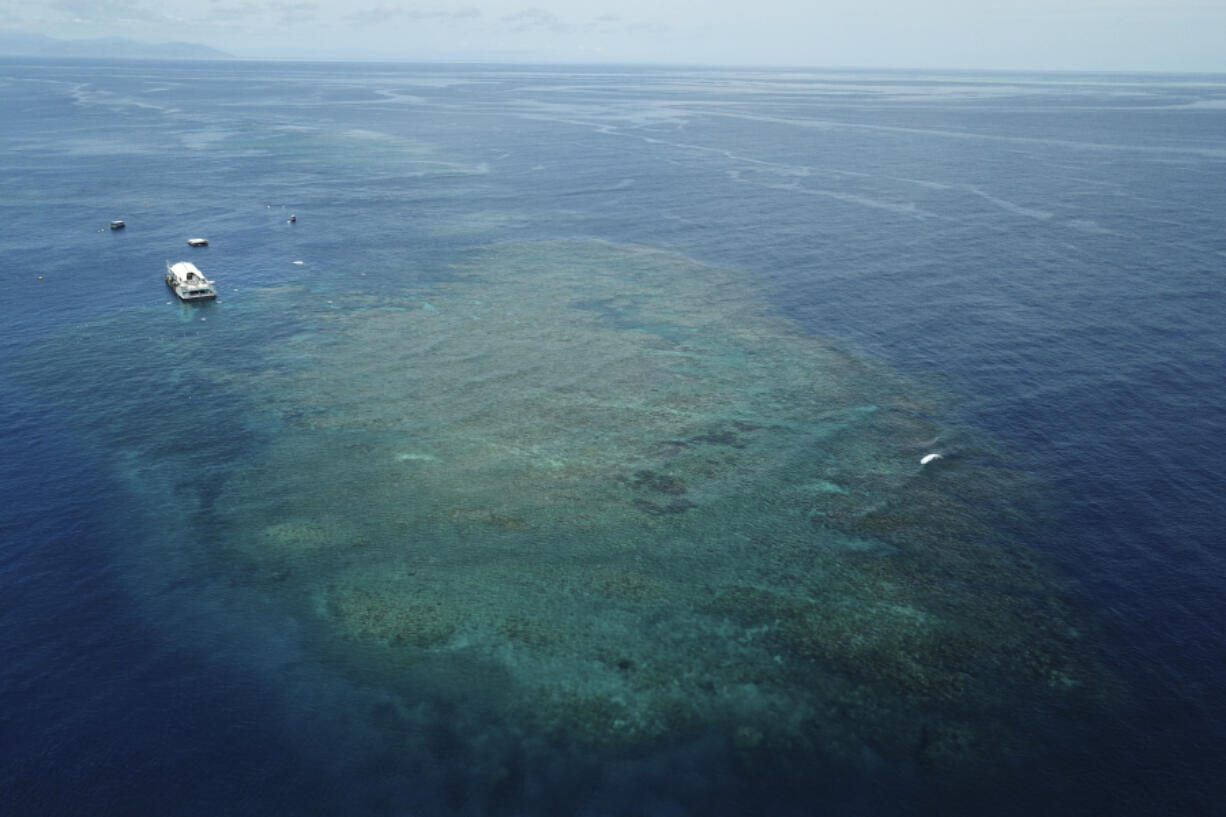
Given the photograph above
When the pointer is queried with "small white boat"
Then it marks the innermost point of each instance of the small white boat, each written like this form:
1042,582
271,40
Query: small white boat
118,224
197,242
188,282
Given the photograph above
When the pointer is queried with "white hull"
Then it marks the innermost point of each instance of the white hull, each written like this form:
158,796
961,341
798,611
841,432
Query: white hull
188,282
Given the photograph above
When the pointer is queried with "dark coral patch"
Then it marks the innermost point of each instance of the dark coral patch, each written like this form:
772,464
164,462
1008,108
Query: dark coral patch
719,438
660,483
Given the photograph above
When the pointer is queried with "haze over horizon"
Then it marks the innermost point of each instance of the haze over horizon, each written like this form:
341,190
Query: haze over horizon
1095,35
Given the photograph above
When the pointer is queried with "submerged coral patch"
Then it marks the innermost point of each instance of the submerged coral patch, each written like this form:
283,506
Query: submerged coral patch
392,616
610,493
298,535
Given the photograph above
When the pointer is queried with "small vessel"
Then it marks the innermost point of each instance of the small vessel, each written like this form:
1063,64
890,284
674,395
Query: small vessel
118,224
188,282
197,242
292,218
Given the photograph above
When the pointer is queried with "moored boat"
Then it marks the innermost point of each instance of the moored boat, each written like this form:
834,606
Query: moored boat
118,224
197,242
188,282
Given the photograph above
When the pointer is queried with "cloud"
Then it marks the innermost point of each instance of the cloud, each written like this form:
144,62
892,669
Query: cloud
280,11
375,15
110,10
301,12
386,12
535,19
616,23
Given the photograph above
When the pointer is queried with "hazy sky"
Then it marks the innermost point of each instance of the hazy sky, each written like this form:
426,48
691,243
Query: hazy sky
1171,35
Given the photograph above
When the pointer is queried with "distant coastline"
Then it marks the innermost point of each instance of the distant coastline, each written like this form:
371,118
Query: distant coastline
22,44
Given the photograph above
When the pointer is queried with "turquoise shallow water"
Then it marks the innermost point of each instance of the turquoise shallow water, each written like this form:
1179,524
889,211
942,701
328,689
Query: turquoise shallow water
564,455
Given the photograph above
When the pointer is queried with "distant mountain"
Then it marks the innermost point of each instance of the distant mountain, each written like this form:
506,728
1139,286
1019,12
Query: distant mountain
20,44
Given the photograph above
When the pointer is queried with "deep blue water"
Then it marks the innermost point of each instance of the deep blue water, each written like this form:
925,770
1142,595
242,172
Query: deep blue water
1046,249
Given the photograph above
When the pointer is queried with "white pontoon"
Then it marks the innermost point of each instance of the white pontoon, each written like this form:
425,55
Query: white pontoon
188,282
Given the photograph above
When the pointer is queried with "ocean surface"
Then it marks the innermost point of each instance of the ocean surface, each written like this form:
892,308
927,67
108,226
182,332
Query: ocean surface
569,453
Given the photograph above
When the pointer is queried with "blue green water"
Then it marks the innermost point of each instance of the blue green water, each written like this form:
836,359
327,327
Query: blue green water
563,456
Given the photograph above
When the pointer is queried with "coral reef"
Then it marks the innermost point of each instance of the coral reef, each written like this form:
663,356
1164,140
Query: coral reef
615,481
391,616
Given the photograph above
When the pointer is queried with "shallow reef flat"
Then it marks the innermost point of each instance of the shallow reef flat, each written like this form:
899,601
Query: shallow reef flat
607,495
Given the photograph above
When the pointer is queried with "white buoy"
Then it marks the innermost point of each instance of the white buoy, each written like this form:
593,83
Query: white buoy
927,458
